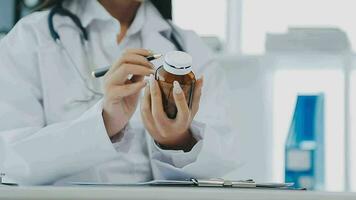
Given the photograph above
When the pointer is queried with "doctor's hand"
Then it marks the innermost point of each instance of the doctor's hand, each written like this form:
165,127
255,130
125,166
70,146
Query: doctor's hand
169,133
121,94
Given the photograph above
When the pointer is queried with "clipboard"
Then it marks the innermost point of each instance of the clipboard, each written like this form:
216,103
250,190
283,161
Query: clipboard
221,183
5,181
193,182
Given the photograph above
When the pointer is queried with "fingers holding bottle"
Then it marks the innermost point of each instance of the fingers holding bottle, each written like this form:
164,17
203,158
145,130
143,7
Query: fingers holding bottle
123,83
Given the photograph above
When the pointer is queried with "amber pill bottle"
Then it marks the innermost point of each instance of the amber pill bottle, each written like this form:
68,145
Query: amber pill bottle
177,66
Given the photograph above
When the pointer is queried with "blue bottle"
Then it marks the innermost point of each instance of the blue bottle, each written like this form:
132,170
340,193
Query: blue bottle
304,150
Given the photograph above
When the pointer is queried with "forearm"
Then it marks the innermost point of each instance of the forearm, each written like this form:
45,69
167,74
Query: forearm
44,154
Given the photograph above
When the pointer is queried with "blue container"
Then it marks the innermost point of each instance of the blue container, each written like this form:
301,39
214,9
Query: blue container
304,150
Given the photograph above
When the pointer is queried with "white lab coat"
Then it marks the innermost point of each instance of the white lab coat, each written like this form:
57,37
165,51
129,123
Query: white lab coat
51,126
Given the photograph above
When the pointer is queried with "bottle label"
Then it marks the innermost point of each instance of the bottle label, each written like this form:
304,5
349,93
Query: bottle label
298,160
168,99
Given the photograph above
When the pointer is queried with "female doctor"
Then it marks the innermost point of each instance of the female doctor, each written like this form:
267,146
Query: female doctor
57,124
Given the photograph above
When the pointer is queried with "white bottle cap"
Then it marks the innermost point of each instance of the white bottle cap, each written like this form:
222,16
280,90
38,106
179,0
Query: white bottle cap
178,63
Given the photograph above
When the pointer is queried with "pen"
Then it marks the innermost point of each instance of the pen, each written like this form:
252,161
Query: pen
102,71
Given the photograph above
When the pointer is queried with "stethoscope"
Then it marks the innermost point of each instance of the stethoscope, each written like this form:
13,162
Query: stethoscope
58,9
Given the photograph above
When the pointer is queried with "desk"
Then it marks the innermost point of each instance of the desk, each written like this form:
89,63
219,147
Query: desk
160,193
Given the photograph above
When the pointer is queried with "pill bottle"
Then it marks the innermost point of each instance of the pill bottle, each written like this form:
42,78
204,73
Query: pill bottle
177,66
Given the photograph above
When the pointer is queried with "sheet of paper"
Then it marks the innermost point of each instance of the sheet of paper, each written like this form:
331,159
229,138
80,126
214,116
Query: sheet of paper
154,182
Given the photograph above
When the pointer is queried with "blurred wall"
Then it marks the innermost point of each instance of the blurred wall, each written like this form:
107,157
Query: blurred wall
250,84
7,15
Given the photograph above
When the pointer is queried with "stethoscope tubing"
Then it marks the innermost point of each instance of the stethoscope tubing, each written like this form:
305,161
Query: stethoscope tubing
58,9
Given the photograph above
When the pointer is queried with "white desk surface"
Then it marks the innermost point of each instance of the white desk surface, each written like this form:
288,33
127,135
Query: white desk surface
164,193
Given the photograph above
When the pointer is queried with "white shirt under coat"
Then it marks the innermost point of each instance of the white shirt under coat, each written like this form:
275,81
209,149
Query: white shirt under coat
51,126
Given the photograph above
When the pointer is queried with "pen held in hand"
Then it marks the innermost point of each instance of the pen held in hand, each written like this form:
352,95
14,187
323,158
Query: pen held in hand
102,71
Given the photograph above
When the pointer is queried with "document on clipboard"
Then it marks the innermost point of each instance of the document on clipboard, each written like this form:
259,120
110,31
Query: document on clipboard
202,183
219,182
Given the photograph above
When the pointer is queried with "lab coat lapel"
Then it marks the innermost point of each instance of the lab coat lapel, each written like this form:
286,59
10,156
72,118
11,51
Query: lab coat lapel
156,42
74,45
154,29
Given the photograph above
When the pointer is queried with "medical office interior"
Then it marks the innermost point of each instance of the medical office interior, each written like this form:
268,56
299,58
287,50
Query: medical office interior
278,56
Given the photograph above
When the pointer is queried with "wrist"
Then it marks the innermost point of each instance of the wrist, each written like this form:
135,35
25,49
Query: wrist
113,124
185,142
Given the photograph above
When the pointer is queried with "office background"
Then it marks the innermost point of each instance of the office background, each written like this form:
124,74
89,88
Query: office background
266,74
